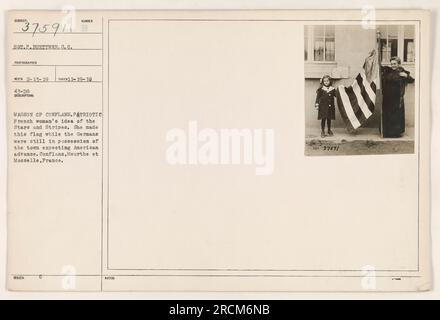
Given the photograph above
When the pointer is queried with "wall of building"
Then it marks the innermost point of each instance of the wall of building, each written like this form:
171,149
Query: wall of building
352,45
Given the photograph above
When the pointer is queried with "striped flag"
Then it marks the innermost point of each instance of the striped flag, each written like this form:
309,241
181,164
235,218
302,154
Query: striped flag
356,102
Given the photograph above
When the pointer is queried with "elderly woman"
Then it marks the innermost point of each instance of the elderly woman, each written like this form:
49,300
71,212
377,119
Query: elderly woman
394,81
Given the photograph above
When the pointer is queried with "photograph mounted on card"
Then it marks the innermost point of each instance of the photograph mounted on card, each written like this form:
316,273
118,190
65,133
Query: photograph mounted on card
186,150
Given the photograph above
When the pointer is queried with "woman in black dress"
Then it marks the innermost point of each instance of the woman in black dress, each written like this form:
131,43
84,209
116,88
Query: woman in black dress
394,81
325,103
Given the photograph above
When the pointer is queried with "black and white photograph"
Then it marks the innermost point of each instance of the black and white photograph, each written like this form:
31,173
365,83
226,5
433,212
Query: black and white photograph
360,89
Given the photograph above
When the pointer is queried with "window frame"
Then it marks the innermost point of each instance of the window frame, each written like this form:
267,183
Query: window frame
400,43
310,46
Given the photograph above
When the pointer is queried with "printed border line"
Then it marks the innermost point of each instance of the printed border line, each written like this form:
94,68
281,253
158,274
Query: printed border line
210,275
263,20
291,270
419,42
102,149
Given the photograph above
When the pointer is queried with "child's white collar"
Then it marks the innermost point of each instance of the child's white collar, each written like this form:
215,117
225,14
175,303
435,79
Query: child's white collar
327,89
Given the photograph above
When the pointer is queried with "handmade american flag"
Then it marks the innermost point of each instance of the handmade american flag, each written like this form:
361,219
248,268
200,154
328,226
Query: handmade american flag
356,102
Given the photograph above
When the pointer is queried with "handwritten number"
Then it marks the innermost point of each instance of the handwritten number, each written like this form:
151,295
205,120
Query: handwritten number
43,29
55,26
26,27
36,28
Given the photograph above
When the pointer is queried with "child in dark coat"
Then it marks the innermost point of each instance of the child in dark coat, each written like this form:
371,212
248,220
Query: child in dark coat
325,104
